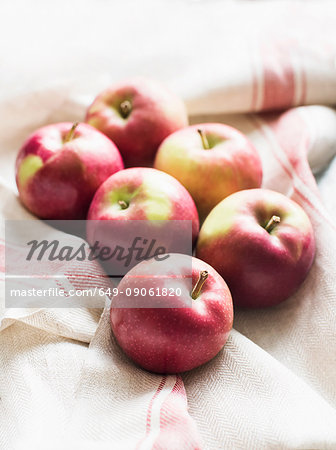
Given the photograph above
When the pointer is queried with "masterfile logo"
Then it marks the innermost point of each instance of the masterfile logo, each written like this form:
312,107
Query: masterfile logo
51,264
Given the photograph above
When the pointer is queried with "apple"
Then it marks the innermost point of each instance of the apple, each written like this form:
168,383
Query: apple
143,194
261,242
60,167
212,161
176,332
137,115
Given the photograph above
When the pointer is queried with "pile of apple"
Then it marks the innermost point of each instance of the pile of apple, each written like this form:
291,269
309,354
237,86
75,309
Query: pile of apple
259,241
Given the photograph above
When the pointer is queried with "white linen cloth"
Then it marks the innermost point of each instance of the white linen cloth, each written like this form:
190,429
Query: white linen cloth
64,383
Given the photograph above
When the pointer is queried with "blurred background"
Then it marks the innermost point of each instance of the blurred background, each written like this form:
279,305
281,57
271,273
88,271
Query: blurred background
220,56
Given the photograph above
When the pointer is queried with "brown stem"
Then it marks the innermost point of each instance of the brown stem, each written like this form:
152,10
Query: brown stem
125,108
71,133
205,141
123,204
199,284
274,220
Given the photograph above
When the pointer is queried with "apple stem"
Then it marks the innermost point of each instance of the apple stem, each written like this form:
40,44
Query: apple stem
71,133
125,108
205,141
123,204
198,286
274,220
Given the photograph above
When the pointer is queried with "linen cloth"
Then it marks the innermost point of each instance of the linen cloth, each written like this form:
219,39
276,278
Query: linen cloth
64,381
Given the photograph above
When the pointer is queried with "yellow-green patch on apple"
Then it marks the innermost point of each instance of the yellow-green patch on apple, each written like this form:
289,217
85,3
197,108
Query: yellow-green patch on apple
221,222
28,167
115,198
94,122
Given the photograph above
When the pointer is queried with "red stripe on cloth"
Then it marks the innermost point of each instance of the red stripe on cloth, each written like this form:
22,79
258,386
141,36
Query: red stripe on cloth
293,136
279,80
293,130
255,84
150,408
177,428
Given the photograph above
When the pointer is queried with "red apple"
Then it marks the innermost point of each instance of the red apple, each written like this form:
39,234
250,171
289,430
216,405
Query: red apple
137,115
172,333
60,167
261,242
212,161
141,193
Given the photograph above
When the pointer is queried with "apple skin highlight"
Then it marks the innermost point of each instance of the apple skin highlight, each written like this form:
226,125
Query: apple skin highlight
262,268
